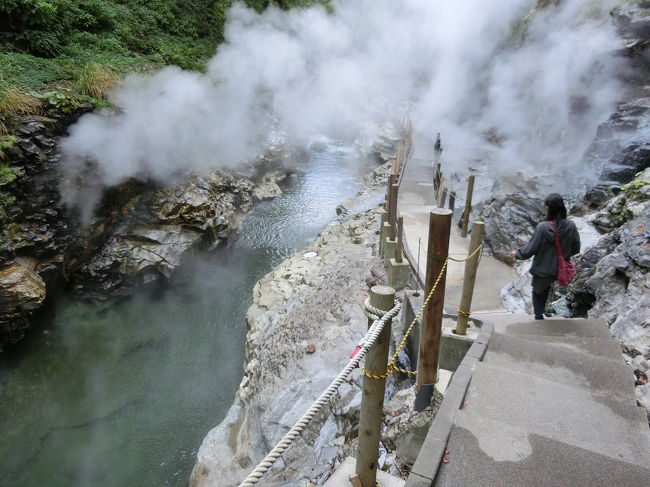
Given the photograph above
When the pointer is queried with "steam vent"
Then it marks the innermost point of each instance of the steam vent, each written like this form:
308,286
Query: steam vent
341,243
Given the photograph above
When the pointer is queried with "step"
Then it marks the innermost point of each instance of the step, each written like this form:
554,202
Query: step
556,362
555,328
612,426
487,452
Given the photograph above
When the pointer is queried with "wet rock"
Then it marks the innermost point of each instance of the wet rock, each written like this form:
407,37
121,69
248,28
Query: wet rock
269,185
510,222
22,291
152,233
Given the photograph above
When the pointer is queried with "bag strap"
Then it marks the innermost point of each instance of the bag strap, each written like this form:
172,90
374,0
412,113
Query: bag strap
558,248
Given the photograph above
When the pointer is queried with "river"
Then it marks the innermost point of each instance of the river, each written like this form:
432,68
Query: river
124,396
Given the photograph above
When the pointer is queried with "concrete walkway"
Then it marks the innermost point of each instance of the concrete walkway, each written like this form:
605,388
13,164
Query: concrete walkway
415,202
534,403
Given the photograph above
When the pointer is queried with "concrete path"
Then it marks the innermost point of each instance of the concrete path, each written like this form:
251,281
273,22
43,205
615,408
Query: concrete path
415,202
534,403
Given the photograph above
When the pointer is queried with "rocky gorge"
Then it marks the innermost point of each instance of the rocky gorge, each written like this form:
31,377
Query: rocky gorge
308,310
140,233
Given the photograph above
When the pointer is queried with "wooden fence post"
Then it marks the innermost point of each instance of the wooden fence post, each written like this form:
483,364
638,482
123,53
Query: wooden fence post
468,206
372,399
471,266
392,212
431,331
400,238
452,201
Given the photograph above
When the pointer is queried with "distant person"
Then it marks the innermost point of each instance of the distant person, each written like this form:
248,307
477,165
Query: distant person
542,246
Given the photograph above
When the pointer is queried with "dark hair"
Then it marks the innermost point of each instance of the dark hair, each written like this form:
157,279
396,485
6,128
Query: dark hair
555,205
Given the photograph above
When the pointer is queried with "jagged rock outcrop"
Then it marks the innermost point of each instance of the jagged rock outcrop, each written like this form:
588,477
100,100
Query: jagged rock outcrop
34,225
141,231
624,207
148,237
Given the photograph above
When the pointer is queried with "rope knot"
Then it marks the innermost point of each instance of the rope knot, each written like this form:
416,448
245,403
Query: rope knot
372,312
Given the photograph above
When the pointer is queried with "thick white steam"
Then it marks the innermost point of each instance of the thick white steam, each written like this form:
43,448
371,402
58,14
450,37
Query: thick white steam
466,68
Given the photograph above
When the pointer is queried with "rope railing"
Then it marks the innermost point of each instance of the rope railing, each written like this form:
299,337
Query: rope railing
380,319
366,343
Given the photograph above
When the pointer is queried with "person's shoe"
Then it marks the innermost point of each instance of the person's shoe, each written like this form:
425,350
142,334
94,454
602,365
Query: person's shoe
539,317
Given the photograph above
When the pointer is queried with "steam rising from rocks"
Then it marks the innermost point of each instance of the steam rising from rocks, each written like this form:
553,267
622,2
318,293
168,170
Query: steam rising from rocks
466,68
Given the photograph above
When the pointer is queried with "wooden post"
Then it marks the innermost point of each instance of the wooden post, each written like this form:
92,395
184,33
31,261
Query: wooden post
372,399
392,212
468,206
440,196
471,266
400,237
437,252
436,179
452,201
392,179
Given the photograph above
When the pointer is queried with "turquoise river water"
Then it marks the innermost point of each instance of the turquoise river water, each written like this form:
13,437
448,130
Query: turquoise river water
124,396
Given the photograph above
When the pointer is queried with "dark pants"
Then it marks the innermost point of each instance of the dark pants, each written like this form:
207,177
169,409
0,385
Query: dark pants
539,303
541,290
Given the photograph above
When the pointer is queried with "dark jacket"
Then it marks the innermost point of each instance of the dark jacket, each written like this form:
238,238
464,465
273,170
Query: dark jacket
542,246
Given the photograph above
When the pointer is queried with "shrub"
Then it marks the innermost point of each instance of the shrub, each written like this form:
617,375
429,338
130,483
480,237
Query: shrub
14,101
96,81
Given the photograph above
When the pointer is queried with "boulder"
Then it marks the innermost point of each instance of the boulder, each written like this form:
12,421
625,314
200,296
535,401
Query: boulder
22,291
510,222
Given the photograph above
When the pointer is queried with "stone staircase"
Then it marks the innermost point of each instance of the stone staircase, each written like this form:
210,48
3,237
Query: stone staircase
551,403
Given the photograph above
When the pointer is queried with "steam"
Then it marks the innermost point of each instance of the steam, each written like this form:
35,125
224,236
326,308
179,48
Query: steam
465,68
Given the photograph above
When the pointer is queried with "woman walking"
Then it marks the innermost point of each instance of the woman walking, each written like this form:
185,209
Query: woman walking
542,247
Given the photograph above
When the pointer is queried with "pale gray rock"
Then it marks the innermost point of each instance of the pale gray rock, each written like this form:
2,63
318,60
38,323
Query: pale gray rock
316,300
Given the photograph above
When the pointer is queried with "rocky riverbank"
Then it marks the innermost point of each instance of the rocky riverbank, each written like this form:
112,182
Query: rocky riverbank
138,235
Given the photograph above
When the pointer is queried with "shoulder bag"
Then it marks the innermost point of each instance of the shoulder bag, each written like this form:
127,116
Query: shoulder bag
566,271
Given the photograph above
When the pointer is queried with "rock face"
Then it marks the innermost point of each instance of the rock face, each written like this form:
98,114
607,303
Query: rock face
309,299
510,222
147,238
34,226
140,234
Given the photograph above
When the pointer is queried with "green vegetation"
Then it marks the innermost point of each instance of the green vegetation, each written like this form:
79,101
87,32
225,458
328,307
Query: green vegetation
6,142
56,42
632,189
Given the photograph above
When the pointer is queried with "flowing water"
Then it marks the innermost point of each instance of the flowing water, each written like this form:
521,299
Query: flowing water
124,396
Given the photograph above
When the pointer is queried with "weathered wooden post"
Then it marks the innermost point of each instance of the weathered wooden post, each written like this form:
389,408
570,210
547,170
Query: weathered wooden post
372,399
392,212
431,331
385,230
440,197
468,206
452,201
471,266
436,179
400,237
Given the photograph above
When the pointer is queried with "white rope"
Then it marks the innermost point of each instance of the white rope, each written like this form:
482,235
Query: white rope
368,341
